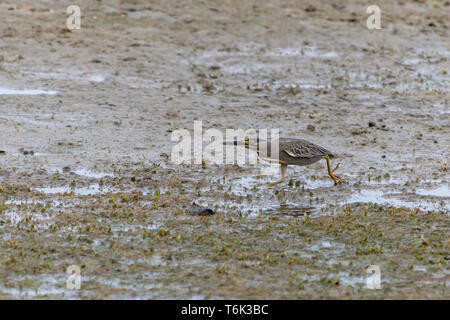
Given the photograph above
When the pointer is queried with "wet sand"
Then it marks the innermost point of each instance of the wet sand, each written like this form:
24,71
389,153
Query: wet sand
98,106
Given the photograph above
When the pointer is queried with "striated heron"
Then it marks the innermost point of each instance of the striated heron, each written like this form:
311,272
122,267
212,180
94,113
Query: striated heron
291,151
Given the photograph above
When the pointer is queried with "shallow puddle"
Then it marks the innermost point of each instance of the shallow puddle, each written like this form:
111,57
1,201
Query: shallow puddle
92,174
5,91
314,196
399,199
440,191
32,286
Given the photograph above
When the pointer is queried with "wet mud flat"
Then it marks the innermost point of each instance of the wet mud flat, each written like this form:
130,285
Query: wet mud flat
136,236
97,109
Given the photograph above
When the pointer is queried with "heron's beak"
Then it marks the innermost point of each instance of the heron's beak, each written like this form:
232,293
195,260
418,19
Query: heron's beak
236,143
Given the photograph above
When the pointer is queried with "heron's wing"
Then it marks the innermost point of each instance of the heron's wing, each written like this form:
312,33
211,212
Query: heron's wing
303,149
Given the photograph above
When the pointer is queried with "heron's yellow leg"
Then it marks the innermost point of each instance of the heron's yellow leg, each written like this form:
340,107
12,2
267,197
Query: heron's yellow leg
335,168
283,171
335,178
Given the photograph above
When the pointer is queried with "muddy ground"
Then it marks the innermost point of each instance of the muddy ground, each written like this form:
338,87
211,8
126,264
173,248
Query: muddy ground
99,190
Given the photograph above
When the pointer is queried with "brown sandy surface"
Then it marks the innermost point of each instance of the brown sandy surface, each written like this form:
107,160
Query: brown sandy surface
100,191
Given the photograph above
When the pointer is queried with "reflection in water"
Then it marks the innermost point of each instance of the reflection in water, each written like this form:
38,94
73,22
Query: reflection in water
93,189
290,210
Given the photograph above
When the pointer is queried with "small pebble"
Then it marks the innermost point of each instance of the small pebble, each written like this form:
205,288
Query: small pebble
310,127
372,124
187,19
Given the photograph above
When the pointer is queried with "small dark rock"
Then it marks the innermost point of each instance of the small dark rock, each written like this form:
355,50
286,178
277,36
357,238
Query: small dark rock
25,153
310,127
66,169
2,152
205,212
372,124
198,210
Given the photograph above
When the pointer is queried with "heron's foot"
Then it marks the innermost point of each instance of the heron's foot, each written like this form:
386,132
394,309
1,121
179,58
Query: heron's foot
275,183
336,178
